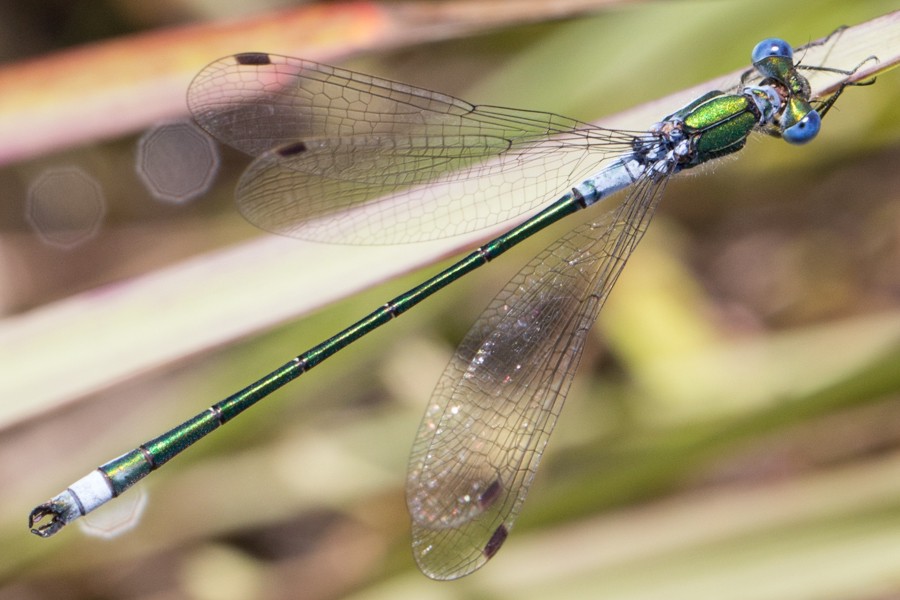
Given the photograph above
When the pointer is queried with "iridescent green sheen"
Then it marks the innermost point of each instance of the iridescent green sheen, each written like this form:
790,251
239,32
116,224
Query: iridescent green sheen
126,470
129,468
779,67
783,69
722,124
795,110
165,447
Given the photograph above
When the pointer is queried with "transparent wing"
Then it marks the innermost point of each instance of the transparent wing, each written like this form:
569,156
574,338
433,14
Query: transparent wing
483,433
351,158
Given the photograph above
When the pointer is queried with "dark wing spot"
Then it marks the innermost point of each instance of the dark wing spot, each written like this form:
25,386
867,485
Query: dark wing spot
490,495
490,549
253,58
292,149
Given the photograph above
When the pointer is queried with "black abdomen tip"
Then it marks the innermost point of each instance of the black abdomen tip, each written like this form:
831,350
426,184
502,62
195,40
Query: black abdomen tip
253,58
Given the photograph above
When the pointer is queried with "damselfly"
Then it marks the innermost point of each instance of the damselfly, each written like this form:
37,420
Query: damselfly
350,158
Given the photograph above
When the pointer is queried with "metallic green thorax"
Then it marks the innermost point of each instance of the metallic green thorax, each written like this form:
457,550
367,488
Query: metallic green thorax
718,124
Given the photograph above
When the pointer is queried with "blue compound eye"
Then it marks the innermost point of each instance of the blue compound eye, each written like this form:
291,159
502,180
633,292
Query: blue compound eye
772,47
803,130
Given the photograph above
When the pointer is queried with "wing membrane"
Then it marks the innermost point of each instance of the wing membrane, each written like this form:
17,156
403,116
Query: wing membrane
403,161
484,431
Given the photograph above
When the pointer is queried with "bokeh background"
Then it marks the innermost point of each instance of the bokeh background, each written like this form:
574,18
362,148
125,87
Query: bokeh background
734,430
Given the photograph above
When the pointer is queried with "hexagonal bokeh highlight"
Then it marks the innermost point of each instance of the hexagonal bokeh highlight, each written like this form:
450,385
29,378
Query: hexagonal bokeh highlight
65,206
115,518
177,162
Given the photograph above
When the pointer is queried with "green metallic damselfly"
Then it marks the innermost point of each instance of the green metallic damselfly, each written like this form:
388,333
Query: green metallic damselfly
350,158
